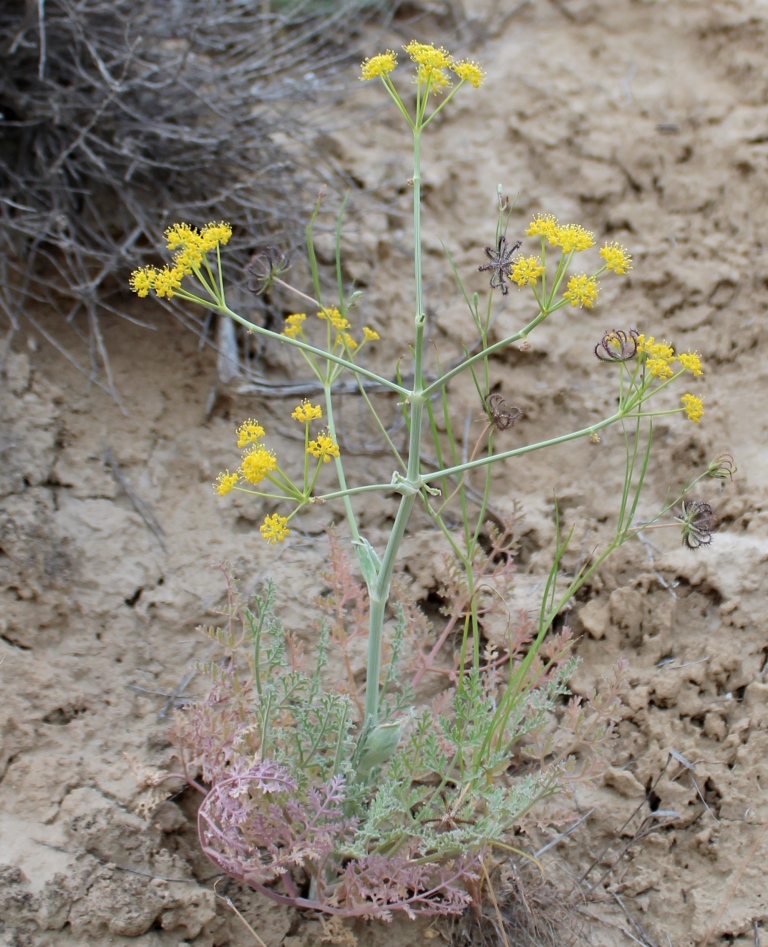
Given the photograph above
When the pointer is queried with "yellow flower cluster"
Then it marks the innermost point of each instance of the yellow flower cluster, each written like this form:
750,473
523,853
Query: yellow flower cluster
660,355
293,324
691,362
380,65
335,318
275,528
571,237
470,72
693,408
225,482
294,327
527,270
432,62
256,464
582,291
654,349
323,448
305,412
190,246
249,432
616,258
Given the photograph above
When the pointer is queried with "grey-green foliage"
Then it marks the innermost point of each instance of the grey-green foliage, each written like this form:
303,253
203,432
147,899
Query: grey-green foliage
422,784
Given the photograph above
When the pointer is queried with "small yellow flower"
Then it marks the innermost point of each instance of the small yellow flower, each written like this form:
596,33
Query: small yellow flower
659,367
323,448
305,412
379,65
616,258
275,528
526,270
654,349
426,55
542,225
572,237
249,432
352,345
167,280
431,61
691,363
225,482
184,236
582,291
214,234
187,259
142,280
293,325
469,72
257,465
334,317
693,408
370,335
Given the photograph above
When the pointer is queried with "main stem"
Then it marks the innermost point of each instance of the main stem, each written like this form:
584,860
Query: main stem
380,594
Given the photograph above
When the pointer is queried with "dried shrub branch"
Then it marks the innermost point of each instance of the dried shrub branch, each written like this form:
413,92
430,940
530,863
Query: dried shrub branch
120,117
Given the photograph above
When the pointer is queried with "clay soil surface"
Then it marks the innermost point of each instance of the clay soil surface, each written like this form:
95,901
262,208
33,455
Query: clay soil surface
647,122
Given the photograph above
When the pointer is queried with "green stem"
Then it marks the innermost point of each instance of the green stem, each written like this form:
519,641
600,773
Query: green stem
484,353
306,347
482,461
380,593
369,488
340,469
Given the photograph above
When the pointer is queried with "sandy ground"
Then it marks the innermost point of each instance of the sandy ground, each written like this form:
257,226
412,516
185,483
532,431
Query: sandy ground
648,123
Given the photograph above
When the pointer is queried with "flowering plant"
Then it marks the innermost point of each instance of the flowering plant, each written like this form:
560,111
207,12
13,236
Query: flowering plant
366,808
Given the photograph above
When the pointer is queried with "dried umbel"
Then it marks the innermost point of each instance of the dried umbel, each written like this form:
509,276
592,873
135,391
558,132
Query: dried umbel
617,345
262,268
501,263
698,521
501,414
722,466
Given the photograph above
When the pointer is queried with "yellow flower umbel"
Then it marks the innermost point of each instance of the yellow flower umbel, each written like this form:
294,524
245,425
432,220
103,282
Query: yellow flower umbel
693,407
225,482
190,246
380,65
370,335
323,448
335,318
654,349
142,280
659,367
167,280
249,432
431,60
572,237
305,412
469,72
691,362
275,528
582,291
527,270
293,325
543,225
213,235
616,258
257,464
